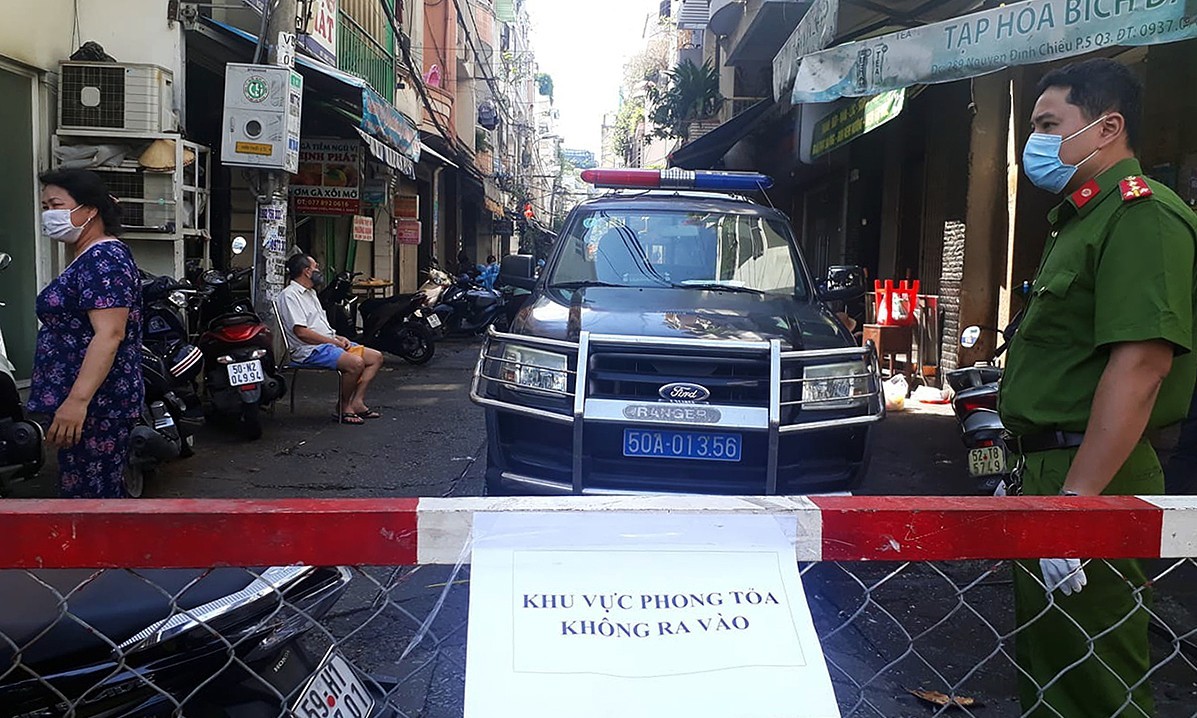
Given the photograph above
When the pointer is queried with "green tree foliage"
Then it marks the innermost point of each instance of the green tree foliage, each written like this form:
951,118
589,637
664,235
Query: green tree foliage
630,115
688,93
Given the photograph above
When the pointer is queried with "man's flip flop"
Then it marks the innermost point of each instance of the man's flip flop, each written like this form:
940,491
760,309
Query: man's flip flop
369,414
349,418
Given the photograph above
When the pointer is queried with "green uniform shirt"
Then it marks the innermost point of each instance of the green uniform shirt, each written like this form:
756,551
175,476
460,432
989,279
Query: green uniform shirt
1118,267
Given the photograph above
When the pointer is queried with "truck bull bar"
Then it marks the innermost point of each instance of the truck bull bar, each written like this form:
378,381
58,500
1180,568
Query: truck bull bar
574,407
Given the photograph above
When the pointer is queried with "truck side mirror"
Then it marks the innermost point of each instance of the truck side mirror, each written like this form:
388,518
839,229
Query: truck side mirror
518,270
843,283
5,260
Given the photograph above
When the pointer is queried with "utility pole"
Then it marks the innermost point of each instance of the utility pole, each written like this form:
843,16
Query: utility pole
270,249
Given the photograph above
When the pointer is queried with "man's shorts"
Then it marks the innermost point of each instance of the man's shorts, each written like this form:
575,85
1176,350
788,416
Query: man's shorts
326,356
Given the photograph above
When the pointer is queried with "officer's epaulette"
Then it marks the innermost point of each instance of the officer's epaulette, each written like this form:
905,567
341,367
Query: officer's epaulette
1133,188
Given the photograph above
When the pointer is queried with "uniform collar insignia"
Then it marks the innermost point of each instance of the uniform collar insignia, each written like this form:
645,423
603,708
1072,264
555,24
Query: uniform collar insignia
1133,188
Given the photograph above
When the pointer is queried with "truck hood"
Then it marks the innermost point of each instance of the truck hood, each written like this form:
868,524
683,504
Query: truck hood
681,313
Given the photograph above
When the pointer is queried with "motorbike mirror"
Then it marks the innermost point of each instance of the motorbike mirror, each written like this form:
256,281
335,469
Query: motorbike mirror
239,244
5,260
970,336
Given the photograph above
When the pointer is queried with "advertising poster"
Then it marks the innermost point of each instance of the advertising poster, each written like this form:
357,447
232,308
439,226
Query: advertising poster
329,177
363,228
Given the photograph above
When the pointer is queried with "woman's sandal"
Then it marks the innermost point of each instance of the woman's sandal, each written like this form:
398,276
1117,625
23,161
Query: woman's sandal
349,418
369,414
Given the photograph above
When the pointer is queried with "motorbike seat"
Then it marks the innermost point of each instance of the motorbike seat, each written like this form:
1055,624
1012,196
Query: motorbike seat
372,305
981,425
112,604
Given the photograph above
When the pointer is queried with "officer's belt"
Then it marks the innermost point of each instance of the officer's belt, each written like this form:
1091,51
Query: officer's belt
1163,439
1045,441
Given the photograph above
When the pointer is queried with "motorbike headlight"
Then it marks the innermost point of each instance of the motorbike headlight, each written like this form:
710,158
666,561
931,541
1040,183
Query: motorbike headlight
178,299
845,385
534,368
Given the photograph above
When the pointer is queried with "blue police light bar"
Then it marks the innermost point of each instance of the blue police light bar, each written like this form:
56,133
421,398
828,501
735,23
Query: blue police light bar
677,179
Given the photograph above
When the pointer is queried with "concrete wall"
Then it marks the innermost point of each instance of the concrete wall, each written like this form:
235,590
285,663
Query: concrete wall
39,33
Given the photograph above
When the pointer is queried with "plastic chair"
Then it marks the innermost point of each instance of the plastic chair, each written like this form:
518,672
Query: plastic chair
288,364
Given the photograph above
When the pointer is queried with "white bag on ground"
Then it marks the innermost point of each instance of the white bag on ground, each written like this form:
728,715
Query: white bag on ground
895,393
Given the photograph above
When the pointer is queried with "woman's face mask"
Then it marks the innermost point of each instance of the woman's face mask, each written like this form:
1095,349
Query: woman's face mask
1041,159
57,225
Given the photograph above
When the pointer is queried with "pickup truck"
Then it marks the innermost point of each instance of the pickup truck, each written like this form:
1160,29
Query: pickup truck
675,342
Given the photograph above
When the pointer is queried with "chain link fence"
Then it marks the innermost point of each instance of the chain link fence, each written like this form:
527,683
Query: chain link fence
901,639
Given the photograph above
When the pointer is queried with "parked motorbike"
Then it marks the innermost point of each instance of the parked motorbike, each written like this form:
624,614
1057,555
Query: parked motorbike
143,643
981,431
467,307
242,374
21,439
170,366
975,405
390,324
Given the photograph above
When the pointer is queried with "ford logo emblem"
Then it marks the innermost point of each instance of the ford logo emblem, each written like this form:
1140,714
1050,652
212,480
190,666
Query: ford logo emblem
684,392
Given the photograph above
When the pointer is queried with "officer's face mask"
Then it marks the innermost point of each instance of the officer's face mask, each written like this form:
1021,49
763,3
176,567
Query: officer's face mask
1041,159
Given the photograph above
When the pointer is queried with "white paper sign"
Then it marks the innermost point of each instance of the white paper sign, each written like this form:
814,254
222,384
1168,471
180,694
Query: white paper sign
635,615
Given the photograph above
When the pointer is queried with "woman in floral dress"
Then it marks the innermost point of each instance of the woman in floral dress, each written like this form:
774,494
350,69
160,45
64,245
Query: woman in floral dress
87,364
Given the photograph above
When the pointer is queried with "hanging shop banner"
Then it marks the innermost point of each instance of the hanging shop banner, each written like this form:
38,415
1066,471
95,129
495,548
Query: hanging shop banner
1021,33
329,177
381,119
407,231
857,116
815,31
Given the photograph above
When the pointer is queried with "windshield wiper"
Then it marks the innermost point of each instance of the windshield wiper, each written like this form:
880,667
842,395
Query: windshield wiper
718,287
584,283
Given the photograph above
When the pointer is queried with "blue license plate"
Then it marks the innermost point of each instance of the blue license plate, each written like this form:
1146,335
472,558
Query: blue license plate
682,445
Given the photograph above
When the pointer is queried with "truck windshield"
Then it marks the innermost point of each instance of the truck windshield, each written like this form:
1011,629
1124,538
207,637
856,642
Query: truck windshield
662,248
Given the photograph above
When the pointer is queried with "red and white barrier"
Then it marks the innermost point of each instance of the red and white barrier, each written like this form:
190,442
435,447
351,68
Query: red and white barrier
180,533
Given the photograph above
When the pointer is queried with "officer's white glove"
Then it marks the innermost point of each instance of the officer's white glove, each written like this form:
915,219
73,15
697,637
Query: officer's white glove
1065,574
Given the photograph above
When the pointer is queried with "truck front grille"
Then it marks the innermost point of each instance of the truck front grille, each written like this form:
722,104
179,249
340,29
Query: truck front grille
638,374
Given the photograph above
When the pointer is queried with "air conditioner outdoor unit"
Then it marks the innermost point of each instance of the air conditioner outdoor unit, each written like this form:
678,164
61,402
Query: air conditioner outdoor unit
116,96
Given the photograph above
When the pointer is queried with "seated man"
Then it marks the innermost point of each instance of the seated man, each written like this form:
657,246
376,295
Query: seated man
316,344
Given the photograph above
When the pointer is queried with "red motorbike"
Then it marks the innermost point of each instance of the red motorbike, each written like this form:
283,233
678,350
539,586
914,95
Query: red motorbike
241,371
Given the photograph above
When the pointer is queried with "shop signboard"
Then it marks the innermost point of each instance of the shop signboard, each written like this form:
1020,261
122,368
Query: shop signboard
1023,33
319,40
854,118
329,177
816,30
407,231
406,207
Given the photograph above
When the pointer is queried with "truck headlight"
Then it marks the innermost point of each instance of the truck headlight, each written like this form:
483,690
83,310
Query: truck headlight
534,368
836,386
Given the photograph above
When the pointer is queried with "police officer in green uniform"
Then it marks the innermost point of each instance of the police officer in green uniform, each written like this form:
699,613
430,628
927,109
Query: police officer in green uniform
1102,358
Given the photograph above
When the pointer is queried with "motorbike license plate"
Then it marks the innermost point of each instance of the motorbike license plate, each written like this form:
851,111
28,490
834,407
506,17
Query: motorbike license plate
434,321
246,372
987,461
335,692
682,445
